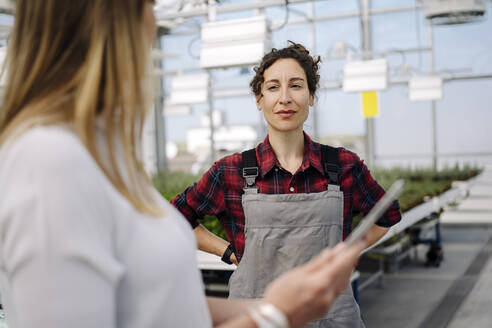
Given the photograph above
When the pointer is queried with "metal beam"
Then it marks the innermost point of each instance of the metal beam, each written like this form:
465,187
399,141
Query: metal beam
470,154
403,80
335,85
261,5
226,8
346,15
379,53
361,54
467,77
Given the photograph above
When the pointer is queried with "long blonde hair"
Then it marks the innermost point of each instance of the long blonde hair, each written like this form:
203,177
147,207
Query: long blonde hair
73,62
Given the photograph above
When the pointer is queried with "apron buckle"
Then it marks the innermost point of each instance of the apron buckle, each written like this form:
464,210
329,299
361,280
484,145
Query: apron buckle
250,174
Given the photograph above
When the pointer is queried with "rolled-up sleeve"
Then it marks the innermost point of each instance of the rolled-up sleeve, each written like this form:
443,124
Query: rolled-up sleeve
367,192
206,197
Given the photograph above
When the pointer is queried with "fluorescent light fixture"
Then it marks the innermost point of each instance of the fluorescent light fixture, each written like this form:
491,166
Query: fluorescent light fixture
230,138
189,89
177,110
7,6
367,75
236,42
453,11
422,88
217,117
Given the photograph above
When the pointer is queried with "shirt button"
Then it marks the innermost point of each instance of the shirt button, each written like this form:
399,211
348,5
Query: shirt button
291,189
276,169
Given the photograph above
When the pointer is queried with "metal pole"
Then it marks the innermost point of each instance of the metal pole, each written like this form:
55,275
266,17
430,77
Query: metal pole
211,17
312,46
434,135
211,116
433,102
159,118
262,128
366,48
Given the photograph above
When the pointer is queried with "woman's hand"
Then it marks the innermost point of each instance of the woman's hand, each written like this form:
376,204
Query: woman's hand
307,292
234,259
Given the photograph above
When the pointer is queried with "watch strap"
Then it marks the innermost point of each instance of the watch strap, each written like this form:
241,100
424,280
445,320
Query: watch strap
226,257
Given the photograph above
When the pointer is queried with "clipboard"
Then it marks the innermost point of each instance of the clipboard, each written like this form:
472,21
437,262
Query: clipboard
381,206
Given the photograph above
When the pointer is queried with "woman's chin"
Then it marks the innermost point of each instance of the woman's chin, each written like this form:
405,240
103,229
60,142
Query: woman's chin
285,128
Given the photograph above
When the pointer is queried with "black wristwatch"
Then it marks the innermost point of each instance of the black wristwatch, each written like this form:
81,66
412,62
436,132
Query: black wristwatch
227,255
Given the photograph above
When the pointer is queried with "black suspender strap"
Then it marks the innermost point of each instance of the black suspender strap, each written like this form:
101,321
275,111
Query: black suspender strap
329,157
250,167
331,163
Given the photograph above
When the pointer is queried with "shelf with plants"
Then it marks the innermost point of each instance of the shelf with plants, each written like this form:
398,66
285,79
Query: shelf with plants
419,185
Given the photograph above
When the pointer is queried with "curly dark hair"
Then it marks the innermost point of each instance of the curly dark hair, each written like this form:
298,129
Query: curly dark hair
296,51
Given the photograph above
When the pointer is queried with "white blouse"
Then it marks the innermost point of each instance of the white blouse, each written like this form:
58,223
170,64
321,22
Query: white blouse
75,253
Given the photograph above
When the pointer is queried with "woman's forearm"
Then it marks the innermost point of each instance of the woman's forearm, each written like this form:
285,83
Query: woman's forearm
244,321
208,242
222,310
375,233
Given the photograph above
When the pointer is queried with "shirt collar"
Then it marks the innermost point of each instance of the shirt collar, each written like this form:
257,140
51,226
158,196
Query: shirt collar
268,160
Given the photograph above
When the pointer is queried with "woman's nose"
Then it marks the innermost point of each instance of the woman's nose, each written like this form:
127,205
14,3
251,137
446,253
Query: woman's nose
285,96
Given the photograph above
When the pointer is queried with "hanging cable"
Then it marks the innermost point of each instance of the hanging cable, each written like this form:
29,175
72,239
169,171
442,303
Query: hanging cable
301,13
190,44
286,20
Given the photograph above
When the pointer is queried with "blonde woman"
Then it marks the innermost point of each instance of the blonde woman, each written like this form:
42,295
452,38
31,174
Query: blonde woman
85,241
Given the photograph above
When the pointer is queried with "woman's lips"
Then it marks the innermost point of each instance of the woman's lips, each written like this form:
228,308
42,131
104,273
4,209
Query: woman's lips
285,113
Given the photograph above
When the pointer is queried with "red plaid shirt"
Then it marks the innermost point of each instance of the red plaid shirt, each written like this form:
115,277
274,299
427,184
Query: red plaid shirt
219,190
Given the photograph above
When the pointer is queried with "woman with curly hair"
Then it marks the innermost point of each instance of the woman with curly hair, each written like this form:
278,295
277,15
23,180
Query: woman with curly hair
284,201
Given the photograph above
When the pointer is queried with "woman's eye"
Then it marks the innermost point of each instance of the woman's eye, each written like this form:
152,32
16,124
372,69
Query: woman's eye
296,86
273,87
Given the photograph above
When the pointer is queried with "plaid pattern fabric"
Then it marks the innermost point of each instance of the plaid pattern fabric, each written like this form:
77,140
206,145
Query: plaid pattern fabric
219,190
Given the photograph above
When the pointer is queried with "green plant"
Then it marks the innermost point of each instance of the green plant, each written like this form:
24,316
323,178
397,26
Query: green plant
422,182
171,184
419,183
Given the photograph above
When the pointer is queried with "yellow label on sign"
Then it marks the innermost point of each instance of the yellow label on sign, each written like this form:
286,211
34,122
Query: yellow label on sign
370,104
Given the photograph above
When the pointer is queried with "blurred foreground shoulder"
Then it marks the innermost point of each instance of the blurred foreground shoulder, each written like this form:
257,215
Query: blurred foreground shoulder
50,148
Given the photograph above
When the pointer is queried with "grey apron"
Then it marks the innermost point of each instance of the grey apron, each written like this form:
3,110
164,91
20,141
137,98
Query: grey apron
283,231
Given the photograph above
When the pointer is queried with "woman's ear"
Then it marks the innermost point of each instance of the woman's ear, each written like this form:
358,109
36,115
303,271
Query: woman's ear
311,100
258,101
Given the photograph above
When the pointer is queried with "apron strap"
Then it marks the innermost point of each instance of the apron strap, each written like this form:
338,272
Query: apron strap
331,166
250,170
